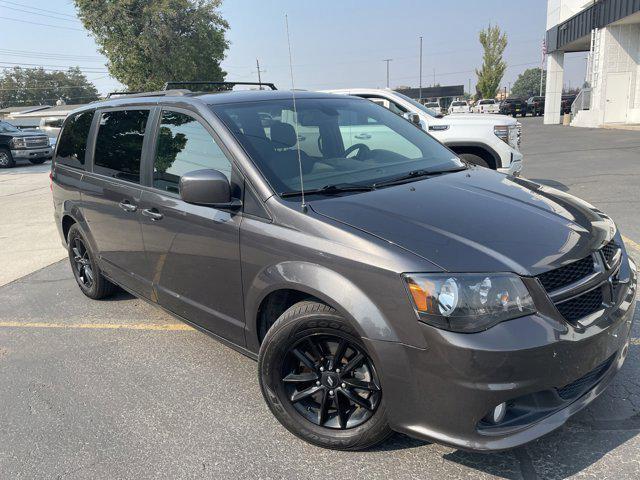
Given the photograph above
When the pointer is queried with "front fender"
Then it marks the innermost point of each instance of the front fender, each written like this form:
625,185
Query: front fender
325,284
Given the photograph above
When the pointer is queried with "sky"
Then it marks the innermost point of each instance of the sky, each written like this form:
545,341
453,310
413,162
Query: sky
335,43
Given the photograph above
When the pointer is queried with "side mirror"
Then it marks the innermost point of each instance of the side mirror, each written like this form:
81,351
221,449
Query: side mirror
412,117
207,187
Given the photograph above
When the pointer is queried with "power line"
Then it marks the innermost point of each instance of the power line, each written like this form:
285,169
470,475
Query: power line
58,67
42,24
29,53
48,15
39,9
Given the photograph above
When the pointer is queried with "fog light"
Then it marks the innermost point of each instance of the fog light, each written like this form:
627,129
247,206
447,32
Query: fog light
497,414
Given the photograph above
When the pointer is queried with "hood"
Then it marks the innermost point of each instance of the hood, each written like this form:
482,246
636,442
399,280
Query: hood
477,221
27,133
479,119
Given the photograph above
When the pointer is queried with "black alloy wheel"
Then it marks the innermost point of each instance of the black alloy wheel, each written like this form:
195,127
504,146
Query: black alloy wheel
85,268
330,381
82,263
320,381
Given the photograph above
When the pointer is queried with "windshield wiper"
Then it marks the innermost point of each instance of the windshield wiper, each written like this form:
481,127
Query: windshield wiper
330,190
414,175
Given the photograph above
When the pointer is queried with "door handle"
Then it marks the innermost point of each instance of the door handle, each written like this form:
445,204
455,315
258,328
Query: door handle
127,206
153,214
362,136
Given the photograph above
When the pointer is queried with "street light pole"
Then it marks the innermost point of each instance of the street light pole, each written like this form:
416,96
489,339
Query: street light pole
420,94
387,60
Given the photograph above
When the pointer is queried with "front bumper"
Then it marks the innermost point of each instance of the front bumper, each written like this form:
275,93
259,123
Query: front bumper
444,391
26,153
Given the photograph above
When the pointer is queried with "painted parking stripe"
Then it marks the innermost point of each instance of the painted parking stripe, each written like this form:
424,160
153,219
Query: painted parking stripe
630,243
167,327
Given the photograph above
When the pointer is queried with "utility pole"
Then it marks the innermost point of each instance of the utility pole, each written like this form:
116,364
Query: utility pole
434,77
387,60
259,76
469,88
420,94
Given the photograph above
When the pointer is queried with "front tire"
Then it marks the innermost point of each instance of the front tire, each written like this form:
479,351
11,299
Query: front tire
85,268
474,159
320,382
6,159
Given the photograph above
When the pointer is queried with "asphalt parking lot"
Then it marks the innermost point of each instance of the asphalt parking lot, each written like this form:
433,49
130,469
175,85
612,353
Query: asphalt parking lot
119,389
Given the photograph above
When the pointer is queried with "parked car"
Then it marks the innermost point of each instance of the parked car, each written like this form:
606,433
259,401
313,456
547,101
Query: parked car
398,272
434,106
16,144
566,102
459,106
535,106
491,141
513,107
486,105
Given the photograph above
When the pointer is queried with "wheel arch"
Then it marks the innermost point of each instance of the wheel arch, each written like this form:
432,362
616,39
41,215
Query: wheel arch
484,151
305,281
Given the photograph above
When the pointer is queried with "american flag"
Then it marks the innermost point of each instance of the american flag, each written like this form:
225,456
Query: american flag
544,51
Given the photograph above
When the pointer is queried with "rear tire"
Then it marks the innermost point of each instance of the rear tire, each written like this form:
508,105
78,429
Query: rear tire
474,159
6,159
85,268
37,161
300,355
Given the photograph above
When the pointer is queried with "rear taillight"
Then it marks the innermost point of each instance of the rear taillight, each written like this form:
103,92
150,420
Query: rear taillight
51,181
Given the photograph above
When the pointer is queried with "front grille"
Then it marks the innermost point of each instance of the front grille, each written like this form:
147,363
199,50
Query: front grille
563,276
581,306
584,384
609,251
37,142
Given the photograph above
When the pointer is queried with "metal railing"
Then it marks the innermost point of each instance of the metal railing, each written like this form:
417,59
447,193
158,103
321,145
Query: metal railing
582,101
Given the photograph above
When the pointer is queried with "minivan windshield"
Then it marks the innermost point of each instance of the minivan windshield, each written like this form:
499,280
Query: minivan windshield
344,142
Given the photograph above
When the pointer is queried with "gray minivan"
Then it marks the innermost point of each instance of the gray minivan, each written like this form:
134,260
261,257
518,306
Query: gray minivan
382,283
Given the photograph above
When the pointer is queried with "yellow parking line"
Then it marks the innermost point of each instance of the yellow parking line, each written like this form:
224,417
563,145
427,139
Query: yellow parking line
635,341
168,327
630,243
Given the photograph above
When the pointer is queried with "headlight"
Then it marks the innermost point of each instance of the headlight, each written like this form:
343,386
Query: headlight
509,134
18,142
468,302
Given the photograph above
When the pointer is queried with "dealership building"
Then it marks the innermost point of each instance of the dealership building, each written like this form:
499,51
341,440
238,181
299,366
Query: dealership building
610,31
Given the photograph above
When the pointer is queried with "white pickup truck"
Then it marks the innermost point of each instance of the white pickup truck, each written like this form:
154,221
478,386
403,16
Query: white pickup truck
491,141
487,105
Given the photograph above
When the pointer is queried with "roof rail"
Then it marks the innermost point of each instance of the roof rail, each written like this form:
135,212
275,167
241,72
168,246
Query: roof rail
157,93
223,85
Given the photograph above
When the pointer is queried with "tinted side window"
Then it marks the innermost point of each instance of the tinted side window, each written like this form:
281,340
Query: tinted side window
73,140
184,145
119,144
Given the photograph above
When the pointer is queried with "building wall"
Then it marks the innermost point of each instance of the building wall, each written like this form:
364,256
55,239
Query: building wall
619,52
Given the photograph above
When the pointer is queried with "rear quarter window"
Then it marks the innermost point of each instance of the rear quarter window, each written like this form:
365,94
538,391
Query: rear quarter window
73,140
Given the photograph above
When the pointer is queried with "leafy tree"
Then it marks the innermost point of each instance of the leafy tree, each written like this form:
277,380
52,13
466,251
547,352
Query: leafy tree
528,83
36,86
150,42
490,74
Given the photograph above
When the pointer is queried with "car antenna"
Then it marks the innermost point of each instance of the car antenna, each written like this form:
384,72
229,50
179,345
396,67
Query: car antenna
295,114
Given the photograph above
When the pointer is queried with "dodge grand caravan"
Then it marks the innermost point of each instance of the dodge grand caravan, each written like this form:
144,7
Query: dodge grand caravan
382,284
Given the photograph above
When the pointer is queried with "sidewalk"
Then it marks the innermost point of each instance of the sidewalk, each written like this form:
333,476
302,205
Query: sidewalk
29,239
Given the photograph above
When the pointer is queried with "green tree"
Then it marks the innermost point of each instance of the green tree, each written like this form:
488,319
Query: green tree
493,42
36,86
150,42
528,83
